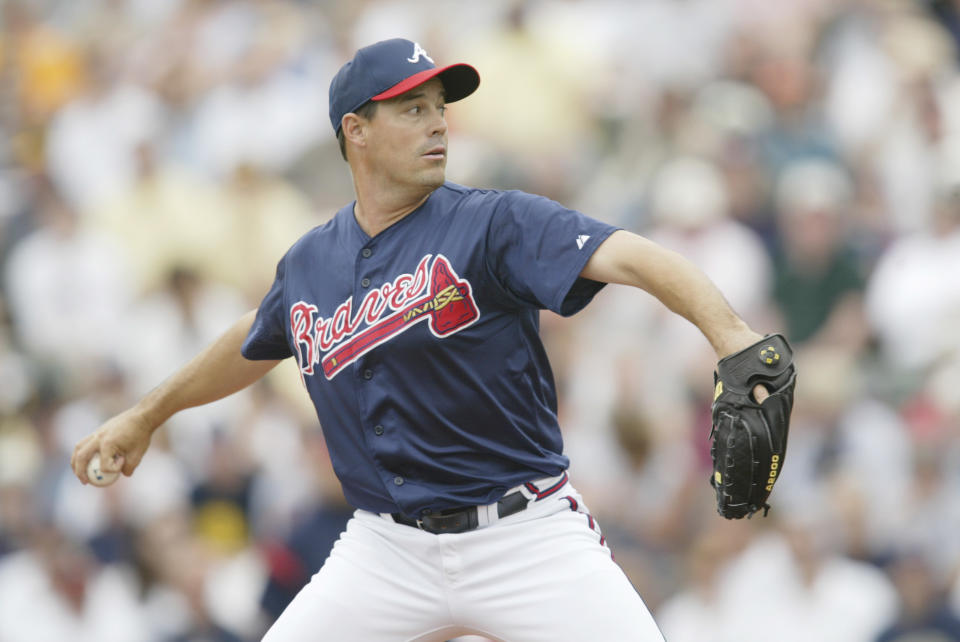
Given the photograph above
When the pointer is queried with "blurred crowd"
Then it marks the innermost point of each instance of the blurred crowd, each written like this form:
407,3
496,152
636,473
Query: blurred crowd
157,157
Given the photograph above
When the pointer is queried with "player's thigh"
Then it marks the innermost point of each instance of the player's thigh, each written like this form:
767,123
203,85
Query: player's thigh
551,580
601,606
370,589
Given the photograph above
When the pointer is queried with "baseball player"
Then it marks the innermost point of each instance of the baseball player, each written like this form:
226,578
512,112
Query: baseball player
413,316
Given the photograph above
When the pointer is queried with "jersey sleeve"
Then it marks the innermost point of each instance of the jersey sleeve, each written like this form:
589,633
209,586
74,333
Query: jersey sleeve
267,338
537,249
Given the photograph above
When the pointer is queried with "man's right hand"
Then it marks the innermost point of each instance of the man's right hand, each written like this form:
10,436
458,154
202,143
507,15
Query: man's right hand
121,442
219,370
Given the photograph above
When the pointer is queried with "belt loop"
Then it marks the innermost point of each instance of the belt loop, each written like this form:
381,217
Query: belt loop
487,514
526,492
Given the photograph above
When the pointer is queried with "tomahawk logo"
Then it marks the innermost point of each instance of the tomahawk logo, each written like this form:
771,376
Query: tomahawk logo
417,52
433,293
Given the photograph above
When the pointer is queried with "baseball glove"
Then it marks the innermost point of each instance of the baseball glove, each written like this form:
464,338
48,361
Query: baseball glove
749,440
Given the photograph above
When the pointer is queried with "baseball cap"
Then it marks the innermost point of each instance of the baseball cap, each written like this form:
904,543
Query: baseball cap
389,68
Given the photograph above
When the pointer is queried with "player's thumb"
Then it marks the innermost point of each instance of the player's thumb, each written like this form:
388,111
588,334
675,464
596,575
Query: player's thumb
130,462
760,393
111,458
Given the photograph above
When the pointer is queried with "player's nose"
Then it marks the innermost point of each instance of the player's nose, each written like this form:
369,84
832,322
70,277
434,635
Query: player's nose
438,123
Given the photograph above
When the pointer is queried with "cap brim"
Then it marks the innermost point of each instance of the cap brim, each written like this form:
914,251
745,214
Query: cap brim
459,81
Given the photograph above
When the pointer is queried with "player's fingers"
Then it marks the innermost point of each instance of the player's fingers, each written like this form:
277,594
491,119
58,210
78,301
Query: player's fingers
81,457
111,458
760,393
73,455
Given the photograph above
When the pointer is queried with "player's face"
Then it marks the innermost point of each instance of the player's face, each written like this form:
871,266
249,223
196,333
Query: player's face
408,141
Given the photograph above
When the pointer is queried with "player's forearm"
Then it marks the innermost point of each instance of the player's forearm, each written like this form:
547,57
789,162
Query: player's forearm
688,292
218,371
680,285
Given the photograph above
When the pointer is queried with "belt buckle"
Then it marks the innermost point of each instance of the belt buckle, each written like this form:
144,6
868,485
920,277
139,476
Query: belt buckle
456,522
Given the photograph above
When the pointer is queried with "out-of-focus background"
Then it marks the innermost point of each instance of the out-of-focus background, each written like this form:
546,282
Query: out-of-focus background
157,157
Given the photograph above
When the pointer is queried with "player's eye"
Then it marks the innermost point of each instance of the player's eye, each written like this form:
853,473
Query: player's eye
416,109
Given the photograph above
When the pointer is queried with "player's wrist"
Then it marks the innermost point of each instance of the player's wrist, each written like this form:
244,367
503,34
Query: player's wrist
147,415
735,339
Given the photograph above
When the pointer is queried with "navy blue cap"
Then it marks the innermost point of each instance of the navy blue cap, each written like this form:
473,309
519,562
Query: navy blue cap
389,68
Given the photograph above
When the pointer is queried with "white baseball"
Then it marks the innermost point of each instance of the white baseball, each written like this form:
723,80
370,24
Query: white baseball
97,476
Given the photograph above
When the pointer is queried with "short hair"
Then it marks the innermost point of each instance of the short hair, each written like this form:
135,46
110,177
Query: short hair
366,110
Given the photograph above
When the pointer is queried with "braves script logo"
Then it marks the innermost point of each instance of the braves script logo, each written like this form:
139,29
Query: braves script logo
433,293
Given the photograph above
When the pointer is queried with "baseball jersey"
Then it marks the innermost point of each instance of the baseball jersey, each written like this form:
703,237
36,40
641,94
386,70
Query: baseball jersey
420,346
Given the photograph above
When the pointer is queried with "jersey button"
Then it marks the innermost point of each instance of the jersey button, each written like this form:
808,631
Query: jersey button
366,252
398,480
368,374
378,430
365,282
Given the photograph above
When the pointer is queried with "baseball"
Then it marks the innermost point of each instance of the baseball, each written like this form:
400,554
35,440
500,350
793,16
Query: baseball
97,476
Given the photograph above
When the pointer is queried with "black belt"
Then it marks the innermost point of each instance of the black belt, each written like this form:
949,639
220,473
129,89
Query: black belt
461,520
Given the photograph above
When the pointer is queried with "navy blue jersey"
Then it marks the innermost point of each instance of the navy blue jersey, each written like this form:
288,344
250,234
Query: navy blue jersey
420,347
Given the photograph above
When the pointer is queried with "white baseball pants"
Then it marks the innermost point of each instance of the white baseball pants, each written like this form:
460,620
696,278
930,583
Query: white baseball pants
540,575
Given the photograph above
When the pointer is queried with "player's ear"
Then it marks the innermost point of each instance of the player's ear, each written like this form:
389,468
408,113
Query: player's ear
354,129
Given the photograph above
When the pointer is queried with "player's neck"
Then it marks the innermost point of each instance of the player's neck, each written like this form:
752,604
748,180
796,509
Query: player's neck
378,209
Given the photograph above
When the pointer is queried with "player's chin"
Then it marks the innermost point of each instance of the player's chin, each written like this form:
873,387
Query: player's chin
433,176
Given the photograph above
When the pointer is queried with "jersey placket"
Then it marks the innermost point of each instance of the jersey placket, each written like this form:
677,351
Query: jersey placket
364,369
